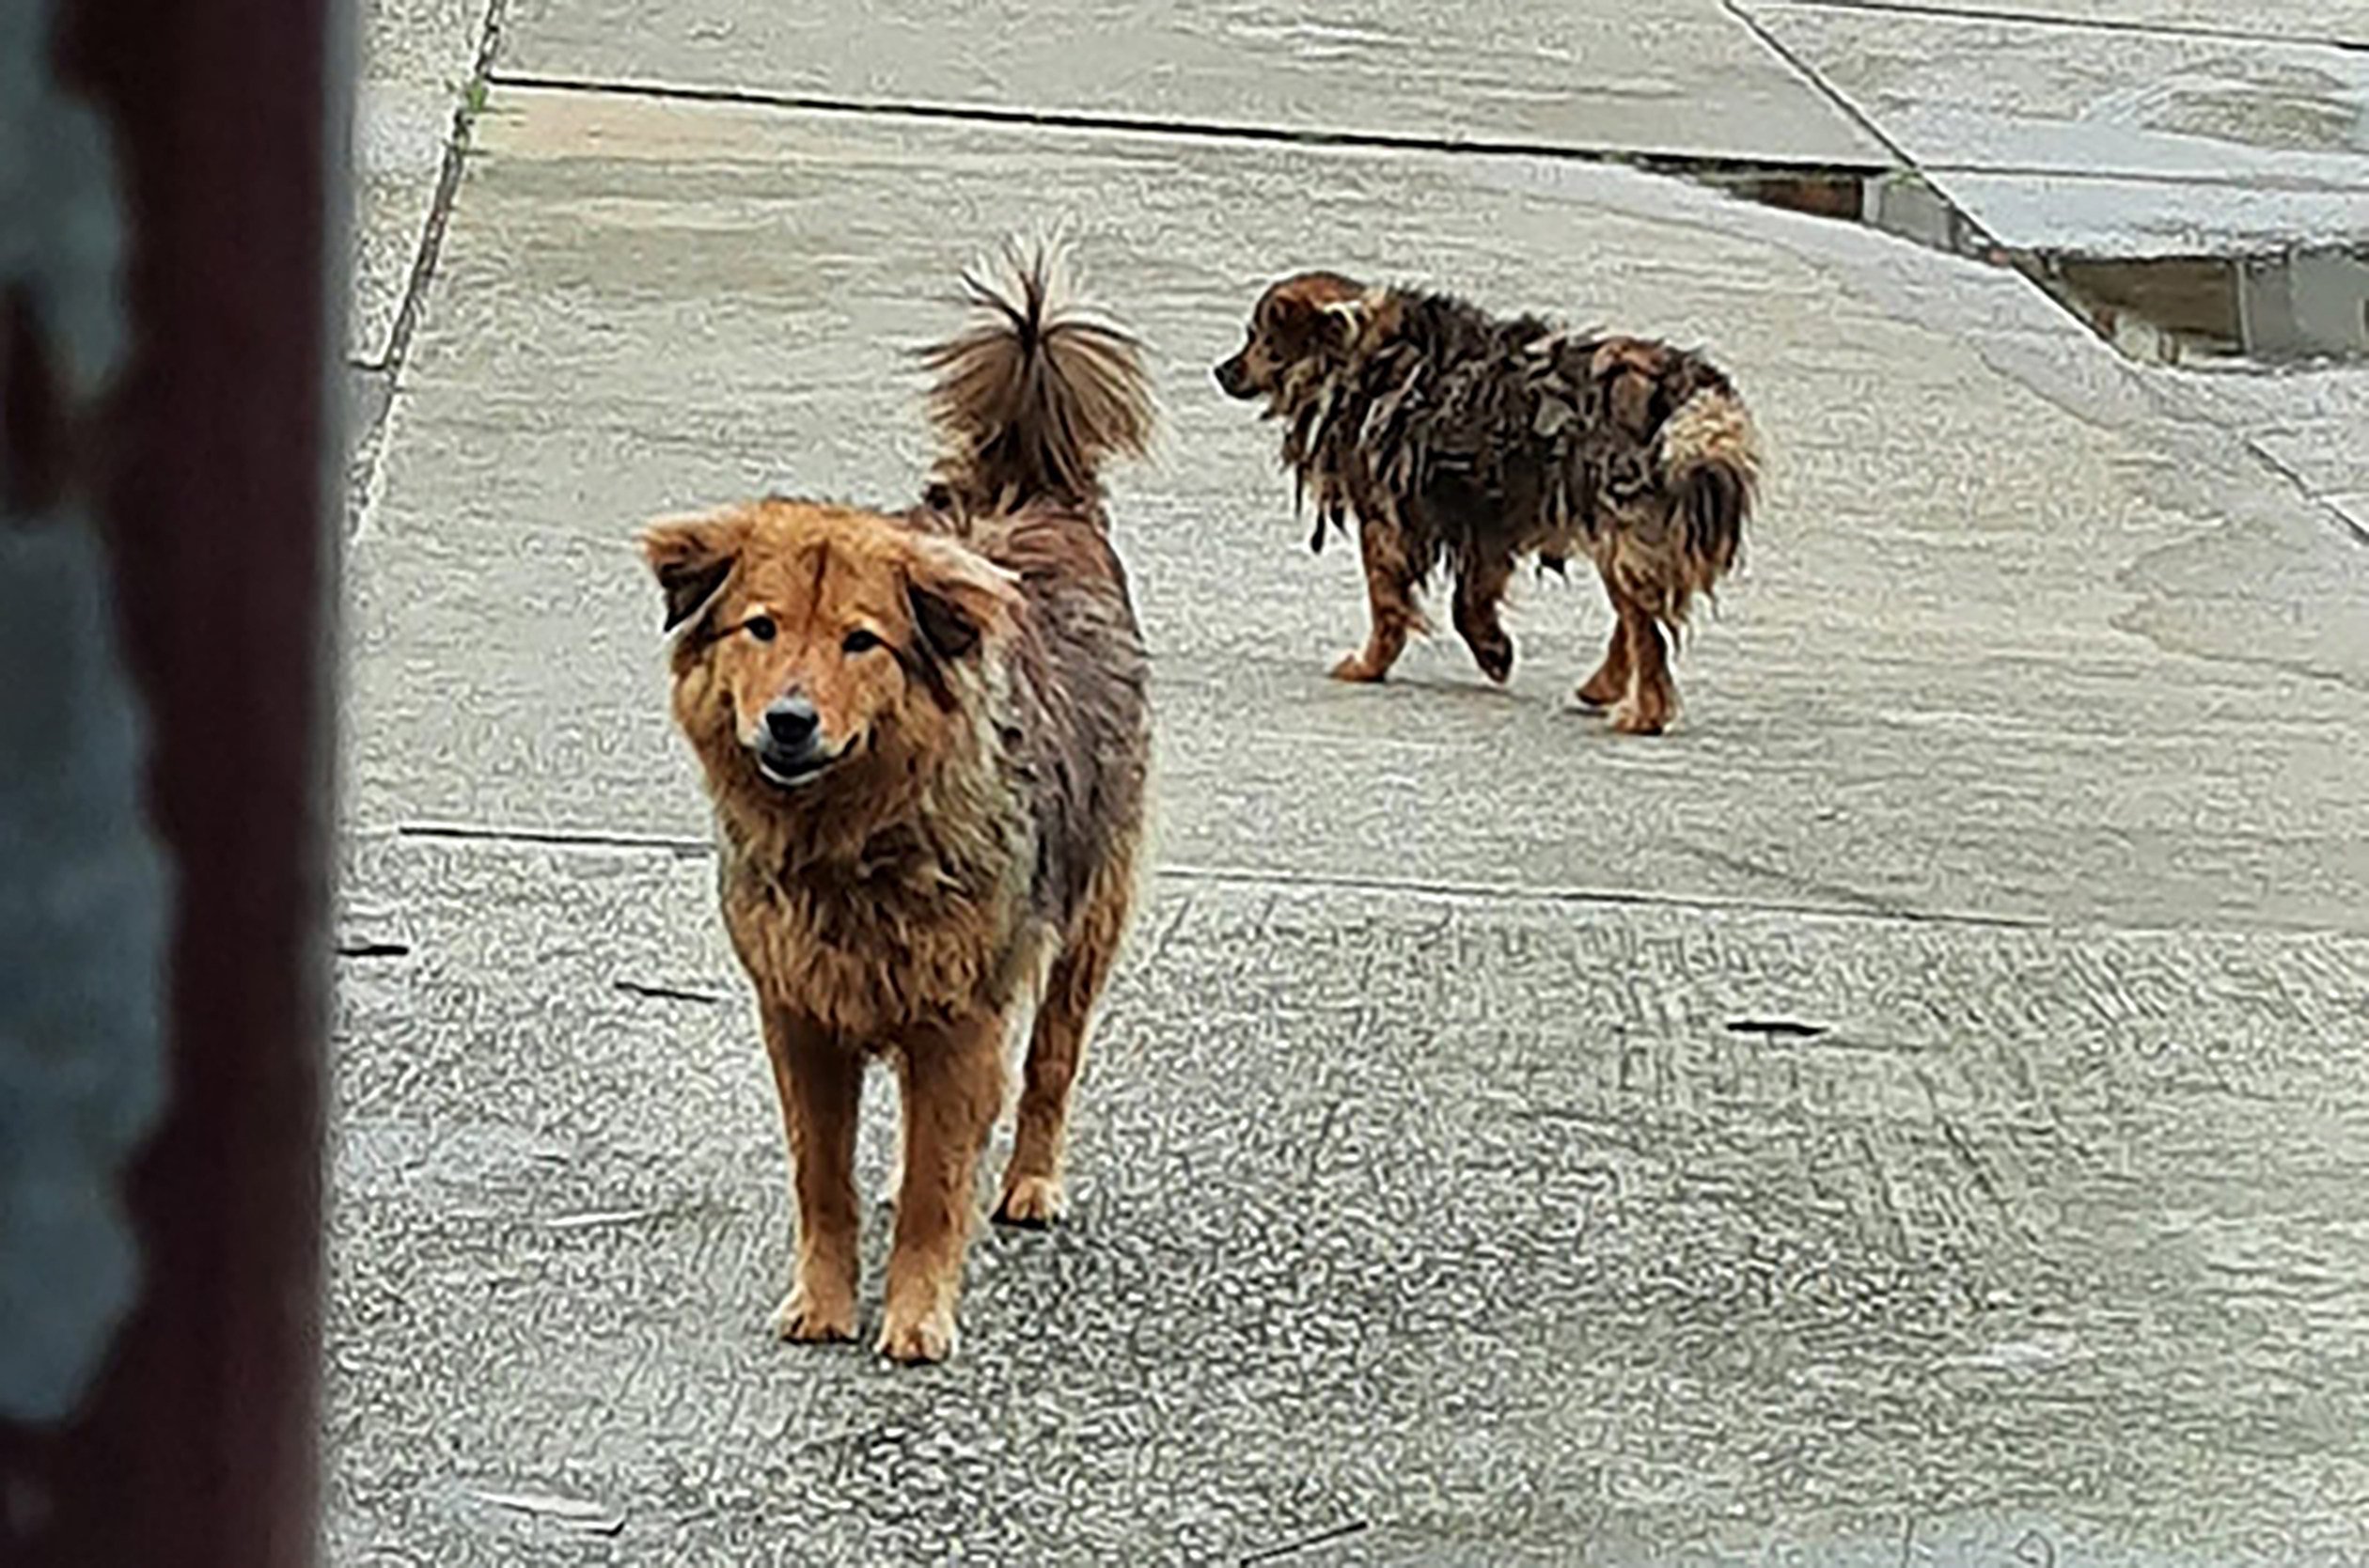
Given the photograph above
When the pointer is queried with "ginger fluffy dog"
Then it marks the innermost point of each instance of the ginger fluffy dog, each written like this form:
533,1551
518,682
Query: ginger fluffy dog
1464,439
926,737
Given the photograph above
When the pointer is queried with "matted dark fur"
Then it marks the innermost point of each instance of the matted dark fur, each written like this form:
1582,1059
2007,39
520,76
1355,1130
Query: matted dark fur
926,737
1462,441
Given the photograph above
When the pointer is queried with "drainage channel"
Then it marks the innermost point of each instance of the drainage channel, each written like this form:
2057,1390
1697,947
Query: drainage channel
2299,306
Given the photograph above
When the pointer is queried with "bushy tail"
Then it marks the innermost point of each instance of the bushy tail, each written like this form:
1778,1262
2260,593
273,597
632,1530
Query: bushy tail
1711,461
1036,393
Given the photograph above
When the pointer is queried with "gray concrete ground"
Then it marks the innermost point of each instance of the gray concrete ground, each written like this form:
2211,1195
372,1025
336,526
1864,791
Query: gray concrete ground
1910,1114
2104,142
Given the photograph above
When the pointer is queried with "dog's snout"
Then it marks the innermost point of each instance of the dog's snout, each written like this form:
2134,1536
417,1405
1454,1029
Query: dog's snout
791,724
1228,374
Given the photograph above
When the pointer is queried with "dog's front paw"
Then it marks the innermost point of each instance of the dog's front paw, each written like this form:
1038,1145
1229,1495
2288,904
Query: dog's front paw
815,1317
1032,1202
1356,669
1496,659
918,1337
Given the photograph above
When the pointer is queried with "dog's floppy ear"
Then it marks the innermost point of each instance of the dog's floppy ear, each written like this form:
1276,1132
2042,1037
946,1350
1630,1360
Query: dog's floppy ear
959,597
1323,307
1295,316
1341,321
691,557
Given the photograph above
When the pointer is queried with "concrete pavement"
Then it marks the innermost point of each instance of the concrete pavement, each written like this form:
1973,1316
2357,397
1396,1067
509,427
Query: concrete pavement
2104,141
1497,74
1908,1115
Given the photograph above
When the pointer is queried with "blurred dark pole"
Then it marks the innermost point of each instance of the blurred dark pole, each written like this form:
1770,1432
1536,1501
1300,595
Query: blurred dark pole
207,466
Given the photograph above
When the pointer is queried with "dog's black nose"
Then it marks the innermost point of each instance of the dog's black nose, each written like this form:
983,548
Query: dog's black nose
1228,374
790,724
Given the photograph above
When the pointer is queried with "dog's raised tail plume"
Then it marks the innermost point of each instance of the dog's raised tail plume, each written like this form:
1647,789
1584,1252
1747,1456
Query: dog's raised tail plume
1037,392
1710,454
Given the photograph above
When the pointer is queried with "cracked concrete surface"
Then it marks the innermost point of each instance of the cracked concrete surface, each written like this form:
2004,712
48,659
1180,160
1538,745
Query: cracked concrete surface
1469,1219
1494,72
420,59
1442,1194
2102,142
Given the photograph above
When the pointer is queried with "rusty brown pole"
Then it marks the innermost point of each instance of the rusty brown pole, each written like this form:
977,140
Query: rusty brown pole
205,465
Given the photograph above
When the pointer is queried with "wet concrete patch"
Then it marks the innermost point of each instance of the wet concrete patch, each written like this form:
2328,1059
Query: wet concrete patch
2304,303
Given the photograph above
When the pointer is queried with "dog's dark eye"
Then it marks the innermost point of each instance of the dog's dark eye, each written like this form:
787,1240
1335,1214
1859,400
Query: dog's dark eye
859,641
761,627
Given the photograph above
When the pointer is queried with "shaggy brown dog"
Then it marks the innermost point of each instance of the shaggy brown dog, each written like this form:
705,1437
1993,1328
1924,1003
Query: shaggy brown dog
926,738
1458,438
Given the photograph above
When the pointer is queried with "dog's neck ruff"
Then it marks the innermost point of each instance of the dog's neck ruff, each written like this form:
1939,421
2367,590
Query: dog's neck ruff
859,838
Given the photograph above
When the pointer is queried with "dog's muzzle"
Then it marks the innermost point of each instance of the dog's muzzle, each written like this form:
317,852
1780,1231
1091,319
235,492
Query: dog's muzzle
1233,379
789,745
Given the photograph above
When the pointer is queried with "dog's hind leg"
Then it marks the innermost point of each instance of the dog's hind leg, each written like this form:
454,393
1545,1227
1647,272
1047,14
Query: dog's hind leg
1057,1048
1652,700
952,1082
1480,582
1390,595
821,1083
1611,682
